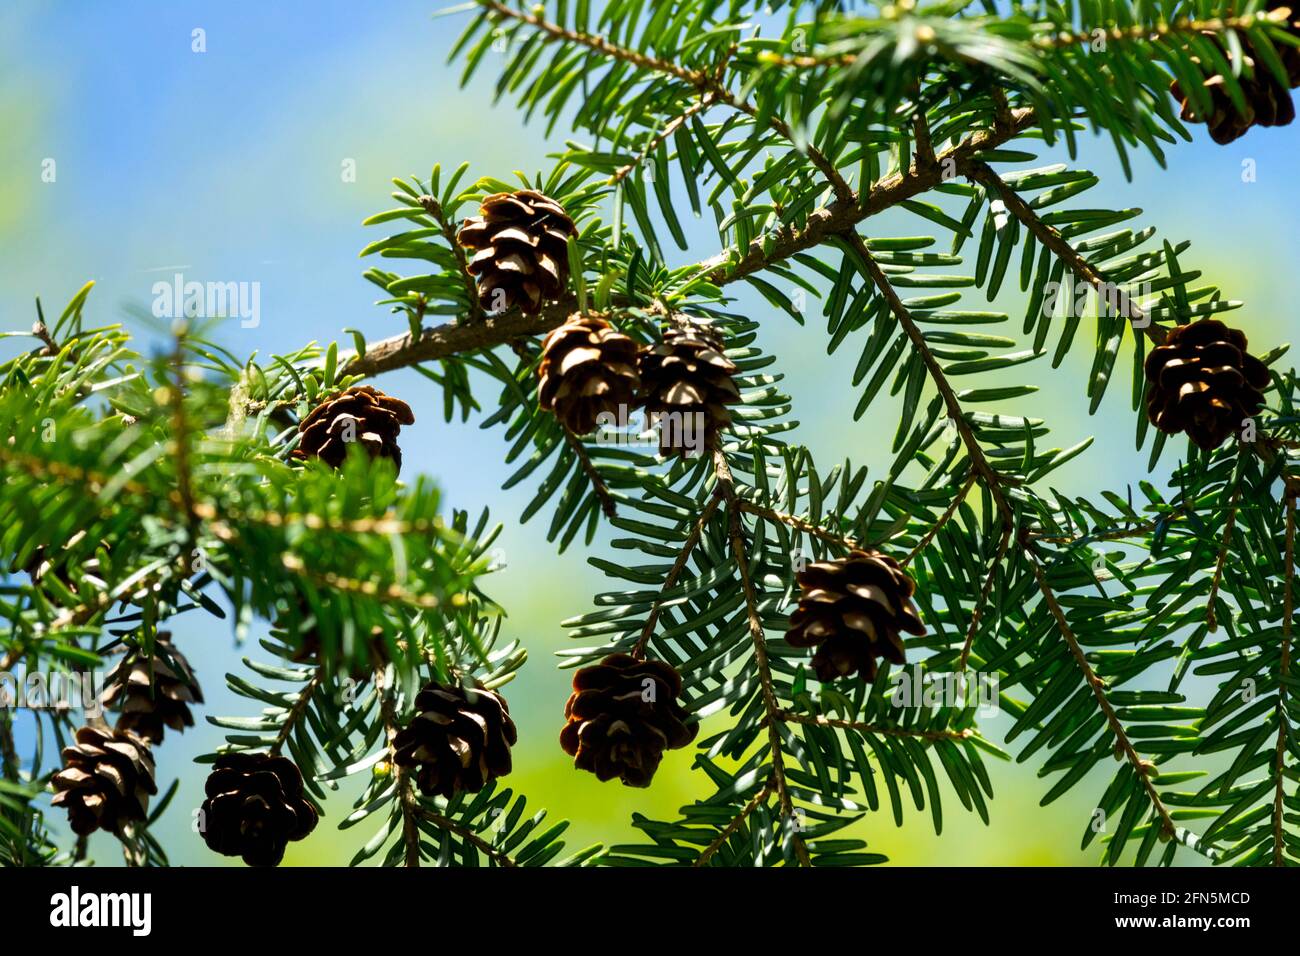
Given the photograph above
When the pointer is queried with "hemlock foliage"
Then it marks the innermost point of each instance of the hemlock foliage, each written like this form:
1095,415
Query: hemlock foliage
1145,630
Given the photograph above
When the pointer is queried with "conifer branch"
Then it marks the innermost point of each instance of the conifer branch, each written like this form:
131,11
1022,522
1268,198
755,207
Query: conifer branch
1116,534
1283,683
799,524
844,193
93,481
598,483
40,331
708,83
434,209
943,520
659,138
407,803
725,834
387,525
977,612
388,593
692,539
921,133
979,463
8,753
180,443
601,45
878,729
839,218
809,180
1181,27
454,338
1098,688
1211,618
1051,239
296,712
438,820
722,472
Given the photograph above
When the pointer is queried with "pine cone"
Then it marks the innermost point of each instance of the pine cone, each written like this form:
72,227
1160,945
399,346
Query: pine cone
852,611
255,805
361,414
1203,381
588,368
1268,102
521,254
622,716
106,780
153,693
458,741
686,386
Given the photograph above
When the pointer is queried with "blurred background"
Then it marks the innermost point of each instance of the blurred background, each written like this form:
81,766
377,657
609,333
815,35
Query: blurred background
133,147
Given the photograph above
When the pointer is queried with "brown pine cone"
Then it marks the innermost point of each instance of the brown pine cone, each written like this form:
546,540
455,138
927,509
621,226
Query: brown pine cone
686,386
361,414
622,715
853,610
153,692
521,253
1203,381
106,780
255,805
588,368
458,741
1268,102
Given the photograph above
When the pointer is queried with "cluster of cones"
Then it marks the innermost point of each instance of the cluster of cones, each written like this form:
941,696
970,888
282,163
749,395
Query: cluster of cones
624,712
107,775
591,373
623,715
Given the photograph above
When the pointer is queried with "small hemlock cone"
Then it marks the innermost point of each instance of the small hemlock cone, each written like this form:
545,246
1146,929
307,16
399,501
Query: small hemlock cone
622,715
1202,380
853,610
588,368
362,414
520,243
458,741
153,692
686,386
255,805
106,780
1268,102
